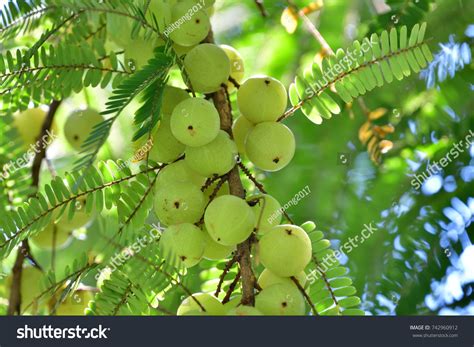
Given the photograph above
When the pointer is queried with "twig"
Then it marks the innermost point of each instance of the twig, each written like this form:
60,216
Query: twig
306,296
234,82
226,270
259,186
231,288
261,8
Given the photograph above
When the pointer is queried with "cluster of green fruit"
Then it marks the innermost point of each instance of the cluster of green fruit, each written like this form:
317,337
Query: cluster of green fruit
189,139
77,127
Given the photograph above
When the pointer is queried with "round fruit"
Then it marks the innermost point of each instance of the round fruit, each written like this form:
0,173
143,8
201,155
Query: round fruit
192,24
244,311
172,96
80,219
29,124
119,29
161,11
240,130
208,67
185,242
75,304
177,173
31,280
270,146
262,99
233,302
79,125
229,220
236,66
195,122
267,211
216,158
166,148
179,203
280,299
214,250
138,52
268,278
285,250
212,306
44,239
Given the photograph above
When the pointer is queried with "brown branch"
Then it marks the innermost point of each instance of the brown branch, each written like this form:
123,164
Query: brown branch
232,287
236,188
14,304
226,270
261,8
325,279
306,296
234,82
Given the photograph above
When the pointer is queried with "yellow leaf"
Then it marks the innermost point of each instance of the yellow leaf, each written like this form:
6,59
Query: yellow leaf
385,146
365,133
378,113
289,19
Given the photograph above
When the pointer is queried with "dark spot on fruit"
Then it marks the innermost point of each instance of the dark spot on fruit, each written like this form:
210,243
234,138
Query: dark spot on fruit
190,127
288,231
76,137
183,258
254,229
176,204
267,82
198,21
276,160
284,304
218,239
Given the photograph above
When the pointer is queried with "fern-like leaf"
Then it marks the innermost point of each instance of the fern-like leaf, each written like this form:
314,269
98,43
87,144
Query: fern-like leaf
357,70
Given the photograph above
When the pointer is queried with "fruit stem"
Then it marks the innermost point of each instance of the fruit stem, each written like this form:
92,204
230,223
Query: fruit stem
221,101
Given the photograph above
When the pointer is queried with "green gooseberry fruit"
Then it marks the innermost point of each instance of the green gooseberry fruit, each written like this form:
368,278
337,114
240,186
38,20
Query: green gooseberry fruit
29,124
280,299
195,122
270,146
75,304
79,125
211,304
179,203
208,67
285,250
262,99
177,173
267,211
240,130
185,242
214,250
237,70
44,239
268,278
193,24
166,148
172,96
216,158
229,220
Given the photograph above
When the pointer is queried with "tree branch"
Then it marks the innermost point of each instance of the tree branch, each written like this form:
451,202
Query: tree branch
14,304
306,296
222,104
